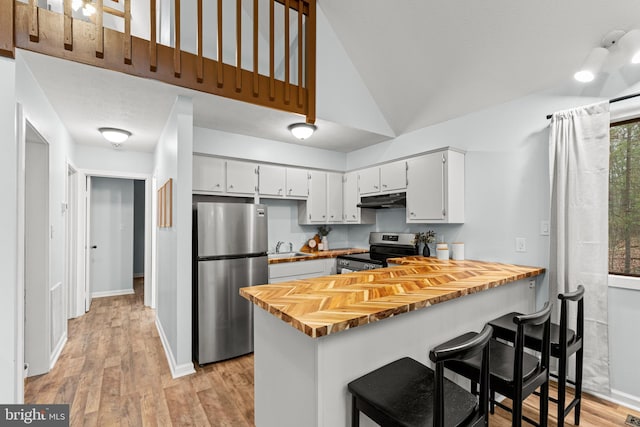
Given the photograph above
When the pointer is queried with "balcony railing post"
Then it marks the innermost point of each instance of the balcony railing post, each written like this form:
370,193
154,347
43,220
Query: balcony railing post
200,60
238,45
68,25
177,65
287,54
256,80
7,18
34,29
99,29
153,44
300,54
220,72
127,31
311,63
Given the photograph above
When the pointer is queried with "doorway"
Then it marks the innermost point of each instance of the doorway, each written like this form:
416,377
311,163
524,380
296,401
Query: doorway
38,333
116,232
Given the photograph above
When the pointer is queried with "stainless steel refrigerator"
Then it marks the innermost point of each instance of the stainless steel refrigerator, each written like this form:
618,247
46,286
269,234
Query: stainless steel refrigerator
230,252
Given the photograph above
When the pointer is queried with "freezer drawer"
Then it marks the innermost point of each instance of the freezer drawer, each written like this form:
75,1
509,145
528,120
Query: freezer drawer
224,318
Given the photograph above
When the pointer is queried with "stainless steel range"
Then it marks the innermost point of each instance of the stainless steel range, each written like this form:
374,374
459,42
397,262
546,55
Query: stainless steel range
381,247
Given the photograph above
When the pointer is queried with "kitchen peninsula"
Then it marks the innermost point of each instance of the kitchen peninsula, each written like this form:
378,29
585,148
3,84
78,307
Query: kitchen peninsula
314,336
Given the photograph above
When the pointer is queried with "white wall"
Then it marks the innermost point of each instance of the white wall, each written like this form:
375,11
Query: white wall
107,159
9,242
225,144
173,158
112,233
139,225
40,113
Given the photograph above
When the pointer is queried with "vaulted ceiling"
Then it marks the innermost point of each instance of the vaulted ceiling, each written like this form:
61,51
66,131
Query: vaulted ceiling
422,62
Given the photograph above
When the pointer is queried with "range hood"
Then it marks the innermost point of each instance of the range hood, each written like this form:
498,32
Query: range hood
395,200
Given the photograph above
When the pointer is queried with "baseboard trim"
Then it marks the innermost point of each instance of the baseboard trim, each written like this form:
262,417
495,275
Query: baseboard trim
622,398
58,351
177,371
104,294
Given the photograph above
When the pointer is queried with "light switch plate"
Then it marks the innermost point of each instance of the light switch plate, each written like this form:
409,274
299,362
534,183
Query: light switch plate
544,228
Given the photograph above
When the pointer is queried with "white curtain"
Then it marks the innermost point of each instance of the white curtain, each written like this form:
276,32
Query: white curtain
579,172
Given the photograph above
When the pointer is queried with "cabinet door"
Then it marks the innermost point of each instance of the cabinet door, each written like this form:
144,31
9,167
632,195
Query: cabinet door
297,182
334,197
369,180
208,174
241,177
393,176
425,190
271,180
317,201
350,189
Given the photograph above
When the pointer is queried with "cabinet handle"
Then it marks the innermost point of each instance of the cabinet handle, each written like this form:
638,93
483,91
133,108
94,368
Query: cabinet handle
375,186
384,185
331,216
230,186
412,214
279,190
324,216
217,185
353,216
290,190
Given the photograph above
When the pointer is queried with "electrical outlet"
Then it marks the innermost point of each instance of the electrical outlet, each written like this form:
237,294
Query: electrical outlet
521,244
544,228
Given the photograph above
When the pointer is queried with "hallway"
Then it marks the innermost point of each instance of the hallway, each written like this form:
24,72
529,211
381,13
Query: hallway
113,372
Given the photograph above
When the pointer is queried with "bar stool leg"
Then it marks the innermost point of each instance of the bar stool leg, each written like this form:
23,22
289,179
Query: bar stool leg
578,386
544,404
562,388
355,414
516,407
492,400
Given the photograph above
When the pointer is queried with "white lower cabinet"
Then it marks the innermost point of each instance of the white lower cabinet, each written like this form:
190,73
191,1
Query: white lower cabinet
435,189
286,271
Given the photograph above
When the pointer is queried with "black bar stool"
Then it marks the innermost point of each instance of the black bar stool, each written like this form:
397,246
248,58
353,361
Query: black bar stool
564,343
512,372
407,393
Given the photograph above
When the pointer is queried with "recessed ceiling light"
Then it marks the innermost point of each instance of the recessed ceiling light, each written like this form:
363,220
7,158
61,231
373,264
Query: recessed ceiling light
302,130
114,135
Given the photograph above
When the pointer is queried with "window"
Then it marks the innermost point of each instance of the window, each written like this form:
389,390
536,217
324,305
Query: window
624,198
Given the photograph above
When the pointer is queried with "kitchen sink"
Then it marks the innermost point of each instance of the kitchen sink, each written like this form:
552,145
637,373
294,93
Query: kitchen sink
288,255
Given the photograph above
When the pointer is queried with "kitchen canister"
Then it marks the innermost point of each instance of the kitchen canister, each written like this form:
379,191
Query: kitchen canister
442,251
457,251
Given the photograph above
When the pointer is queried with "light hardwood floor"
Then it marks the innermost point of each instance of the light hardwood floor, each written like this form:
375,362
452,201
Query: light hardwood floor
113,372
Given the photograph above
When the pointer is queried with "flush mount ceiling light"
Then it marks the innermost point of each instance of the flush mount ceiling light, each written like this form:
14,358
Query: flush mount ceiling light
88,8
302,130
115,136
592,65
630,44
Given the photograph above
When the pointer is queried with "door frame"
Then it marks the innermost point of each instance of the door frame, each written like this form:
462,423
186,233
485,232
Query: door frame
149,252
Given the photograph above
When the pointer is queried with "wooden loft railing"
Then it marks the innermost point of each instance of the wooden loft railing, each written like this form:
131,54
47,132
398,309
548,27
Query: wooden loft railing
26,26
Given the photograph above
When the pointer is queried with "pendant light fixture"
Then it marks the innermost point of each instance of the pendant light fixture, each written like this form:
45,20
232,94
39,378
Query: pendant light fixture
302,131
87,6
630,45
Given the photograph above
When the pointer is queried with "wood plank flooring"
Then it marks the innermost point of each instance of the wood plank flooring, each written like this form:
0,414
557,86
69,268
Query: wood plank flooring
113,372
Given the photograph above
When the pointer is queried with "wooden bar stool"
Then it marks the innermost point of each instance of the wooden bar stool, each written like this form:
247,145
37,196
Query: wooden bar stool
512,372
407,393
564,343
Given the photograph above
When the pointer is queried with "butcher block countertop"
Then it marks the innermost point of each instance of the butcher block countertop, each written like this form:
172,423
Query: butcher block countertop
326,305
331,253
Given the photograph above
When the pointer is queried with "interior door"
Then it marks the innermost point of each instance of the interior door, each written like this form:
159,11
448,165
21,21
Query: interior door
87,245
111,236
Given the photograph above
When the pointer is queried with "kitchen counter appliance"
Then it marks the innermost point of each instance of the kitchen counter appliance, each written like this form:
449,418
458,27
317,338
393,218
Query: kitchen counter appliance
381,247
230,252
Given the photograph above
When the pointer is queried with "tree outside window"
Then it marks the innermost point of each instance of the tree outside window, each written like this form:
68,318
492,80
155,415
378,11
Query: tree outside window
624,199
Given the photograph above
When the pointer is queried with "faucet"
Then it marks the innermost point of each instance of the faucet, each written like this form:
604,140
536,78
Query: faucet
290,247
280,243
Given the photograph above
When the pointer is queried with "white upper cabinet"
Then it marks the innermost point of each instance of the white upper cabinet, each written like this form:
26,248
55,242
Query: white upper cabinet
369,180
435,190
334,197
314,209
208,174
352,214
382,179
393,176
242,178
297,183
271,180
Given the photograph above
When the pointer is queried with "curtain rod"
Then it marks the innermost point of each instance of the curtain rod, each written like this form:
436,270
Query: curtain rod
621,98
